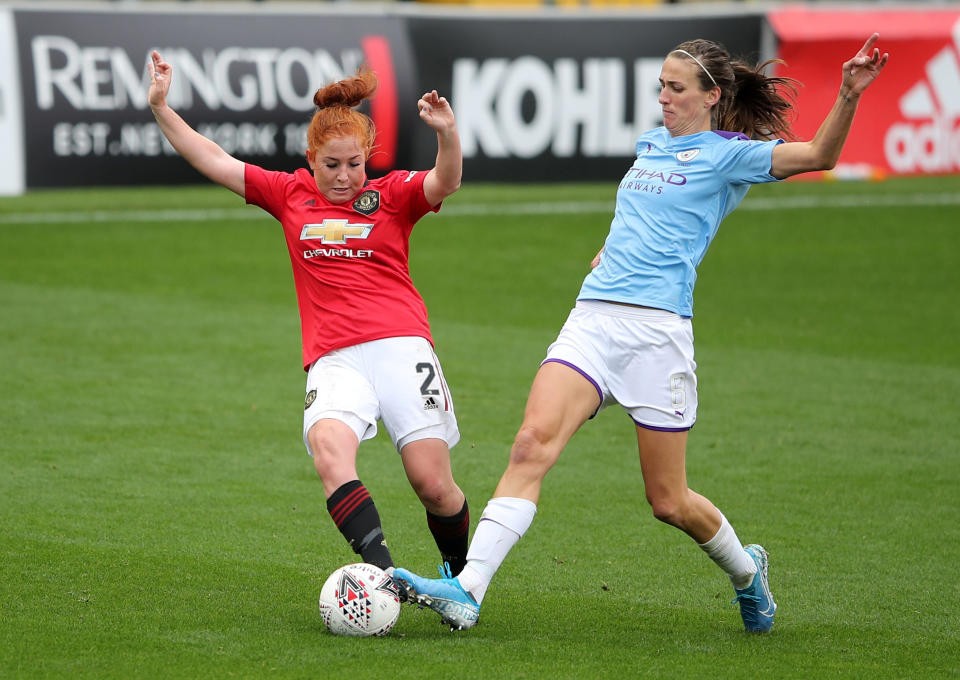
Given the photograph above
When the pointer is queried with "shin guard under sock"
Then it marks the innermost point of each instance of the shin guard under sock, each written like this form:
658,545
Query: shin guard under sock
355,515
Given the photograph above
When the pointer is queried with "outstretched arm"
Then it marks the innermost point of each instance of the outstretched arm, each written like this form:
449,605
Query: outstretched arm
444,178
823,151
202,153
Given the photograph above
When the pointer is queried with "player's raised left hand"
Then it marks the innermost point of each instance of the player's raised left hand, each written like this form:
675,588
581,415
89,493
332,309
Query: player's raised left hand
435,111
863,69
160,74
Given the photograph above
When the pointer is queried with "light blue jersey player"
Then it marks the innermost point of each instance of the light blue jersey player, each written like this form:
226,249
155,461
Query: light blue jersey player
629,339
669,207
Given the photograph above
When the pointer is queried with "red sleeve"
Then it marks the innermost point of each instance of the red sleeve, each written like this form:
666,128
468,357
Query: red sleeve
409,184
265,188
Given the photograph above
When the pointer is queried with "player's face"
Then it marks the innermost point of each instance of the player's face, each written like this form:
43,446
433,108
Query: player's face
339,168
686,107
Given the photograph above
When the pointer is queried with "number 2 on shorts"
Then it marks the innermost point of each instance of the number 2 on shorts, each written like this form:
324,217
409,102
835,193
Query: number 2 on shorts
425,388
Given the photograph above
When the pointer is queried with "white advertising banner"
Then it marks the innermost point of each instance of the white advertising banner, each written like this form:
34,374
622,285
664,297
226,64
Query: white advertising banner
12,180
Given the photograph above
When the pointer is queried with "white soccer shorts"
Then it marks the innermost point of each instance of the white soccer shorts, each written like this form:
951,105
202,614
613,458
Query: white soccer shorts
397,381
639,358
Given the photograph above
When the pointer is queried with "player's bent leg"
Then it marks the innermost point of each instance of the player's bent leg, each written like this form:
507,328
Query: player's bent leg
445,595
427,466
333,446
662,456
426,463
561,399
663,466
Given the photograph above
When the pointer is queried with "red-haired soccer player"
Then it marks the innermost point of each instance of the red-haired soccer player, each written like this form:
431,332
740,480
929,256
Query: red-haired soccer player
367,347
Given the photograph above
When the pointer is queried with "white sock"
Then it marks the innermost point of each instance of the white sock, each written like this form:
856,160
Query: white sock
726,550
503,522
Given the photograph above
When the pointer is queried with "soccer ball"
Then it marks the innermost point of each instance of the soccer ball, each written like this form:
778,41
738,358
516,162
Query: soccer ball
359,600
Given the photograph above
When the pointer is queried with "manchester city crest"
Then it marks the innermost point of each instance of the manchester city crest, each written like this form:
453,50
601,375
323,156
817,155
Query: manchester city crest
367,202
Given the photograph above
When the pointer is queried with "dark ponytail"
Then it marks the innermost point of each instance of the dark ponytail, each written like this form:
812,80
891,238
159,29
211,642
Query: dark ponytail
751,102
761,106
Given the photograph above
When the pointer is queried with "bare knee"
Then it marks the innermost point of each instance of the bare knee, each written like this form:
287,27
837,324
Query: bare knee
668,509
434,491
322,448
427,466
438,493
532,449
333,452
529,446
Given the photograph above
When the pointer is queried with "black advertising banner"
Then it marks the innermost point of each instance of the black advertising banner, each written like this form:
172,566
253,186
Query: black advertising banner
243,78
545,96
554,97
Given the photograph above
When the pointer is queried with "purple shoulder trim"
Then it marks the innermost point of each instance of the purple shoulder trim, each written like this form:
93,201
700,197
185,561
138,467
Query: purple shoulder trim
731,135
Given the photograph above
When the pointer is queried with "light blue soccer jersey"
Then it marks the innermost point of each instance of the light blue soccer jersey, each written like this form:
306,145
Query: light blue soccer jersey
669,207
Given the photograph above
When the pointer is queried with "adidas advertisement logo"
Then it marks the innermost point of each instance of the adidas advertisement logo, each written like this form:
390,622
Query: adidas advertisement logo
430,404
931,143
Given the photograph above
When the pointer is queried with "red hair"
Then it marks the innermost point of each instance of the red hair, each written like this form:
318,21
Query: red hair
336,116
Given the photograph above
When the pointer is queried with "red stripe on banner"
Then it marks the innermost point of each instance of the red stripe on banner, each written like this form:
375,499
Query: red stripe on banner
825,23
342,509
383,106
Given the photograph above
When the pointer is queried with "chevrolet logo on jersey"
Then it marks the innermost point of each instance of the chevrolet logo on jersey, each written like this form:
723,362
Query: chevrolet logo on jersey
335,231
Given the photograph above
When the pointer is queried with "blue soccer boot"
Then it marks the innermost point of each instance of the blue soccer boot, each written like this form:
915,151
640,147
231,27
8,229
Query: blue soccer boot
444,595
756,601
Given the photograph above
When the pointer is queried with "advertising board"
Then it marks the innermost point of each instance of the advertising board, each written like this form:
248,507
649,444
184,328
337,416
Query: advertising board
244,79
908,122
538,97
12,180
553,98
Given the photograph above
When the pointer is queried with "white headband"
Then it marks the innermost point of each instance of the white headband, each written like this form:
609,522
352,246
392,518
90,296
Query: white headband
700,64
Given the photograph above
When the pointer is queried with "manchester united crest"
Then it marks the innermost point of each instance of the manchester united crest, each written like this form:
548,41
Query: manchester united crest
368,202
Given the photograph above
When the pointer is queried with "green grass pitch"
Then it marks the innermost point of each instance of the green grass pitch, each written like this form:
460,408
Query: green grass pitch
159,517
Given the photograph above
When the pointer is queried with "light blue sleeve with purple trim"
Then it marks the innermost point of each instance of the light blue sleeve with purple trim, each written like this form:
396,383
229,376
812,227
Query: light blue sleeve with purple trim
669,206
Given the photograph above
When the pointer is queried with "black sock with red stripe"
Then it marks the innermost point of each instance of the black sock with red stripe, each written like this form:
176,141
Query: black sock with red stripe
450,533
355,515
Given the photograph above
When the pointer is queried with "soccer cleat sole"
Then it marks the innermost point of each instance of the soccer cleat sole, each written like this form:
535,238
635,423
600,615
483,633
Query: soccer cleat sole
411,596
427,601
407,593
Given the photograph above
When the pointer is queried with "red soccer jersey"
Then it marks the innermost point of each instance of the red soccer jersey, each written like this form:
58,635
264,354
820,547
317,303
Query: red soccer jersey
350,261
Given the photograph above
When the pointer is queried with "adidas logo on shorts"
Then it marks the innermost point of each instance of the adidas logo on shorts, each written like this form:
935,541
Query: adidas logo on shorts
430,404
